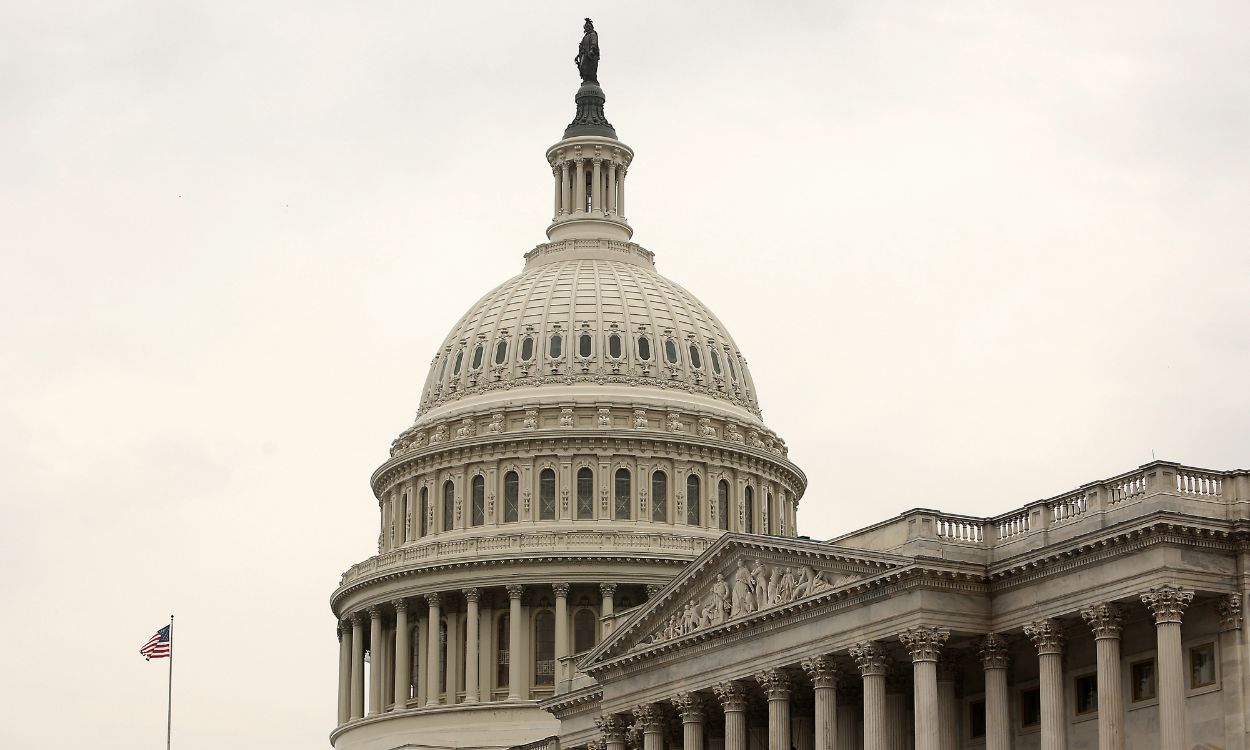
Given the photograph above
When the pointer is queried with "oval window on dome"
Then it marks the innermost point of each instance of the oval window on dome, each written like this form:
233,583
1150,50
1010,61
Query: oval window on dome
527,349
644,348
501,351
584,345
455,371
476,362
696,359
733,371
670,351
714,358
614,346
555,346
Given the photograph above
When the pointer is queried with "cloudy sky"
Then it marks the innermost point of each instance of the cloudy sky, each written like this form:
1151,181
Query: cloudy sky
976,255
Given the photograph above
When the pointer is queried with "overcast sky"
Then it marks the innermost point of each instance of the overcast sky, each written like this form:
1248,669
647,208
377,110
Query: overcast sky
976,255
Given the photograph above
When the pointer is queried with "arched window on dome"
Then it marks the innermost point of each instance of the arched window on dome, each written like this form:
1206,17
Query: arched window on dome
622,499
545,648
614,346
644,348
696,359
670,351
714,357
585,630
555,346
476,362
659,496
501,351
585,345
547,495
423,506
722,505
585,494
449,506
511,493
455,371
402,517
694,500
749,502
479,500
527,348
502,632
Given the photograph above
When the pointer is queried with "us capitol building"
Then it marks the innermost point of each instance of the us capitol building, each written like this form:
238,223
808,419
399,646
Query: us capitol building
588,539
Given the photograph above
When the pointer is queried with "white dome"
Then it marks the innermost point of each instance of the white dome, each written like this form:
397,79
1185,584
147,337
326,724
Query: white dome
591,313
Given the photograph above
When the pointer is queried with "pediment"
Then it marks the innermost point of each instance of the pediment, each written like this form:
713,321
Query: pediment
739,578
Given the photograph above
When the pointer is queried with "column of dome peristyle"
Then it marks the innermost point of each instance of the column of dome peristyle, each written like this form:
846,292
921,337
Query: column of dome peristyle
597,210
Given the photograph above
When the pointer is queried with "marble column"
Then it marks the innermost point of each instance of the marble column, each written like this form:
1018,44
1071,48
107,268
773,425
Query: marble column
579,186
994,660
514,642
565,199
778,687
344,631
607,605
650,719
375,663
733,699
924,643
358,667
432,682
690,707
872,662
1167,604
948,703
620,192
596,185
471,644
1105,620
555,178
1232,667
824,676
562,622
612,188
898,716
614,731
403,655
1047,636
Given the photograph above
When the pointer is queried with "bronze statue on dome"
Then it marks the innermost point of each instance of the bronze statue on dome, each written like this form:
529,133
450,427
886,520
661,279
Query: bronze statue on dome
587,59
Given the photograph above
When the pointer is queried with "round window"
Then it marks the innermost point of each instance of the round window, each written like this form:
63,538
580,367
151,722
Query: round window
670,351
644,349
696,359
614,346
527,348
584,345
455,370
554,346
476,362
501,352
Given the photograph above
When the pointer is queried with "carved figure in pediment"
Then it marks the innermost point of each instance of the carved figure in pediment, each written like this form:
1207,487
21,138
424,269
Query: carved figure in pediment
774,587
717,604
809,582
785,587
759,576
742,600
689,619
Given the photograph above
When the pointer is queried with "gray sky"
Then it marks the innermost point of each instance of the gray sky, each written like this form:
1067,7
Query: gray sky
976,253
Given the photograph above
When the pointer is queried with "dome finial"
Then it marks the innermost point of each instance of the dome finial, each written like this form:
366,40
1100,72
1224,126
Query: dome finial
590,119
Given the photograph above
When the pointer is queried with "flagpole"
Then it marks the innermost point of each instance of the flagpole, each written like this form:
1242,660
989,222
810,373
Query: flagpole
169,701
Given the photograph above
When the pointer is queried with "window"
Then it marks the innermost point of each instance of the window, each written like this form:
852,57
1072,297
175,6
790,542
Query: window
1030,707
585,626
424,508
585,345
1202,665
1142,681
501,652
527,348
555,346
614,346
545,648
1085,689
511,491
976,720
644,348
455,371
733,372
547,495
693,500
442,370
749,499
696,359
659,496
449,506
479,500
402,522
722,504
585,493
766,524
715,359
622,495
476,363
501,352
670,351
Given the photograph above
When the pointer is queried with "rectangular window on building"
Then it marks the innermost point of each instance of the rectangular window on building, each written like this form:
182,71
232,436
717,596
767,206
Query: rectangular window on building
1030,707
1142,680
1202,665
976,720
1085,690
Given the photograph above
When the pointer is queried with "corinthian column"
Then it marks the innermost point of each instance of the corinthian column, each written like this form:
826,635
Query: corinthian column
433,688
344,631
562,621
471,626
596,185
994,659
924,643
778,687
824,677
579,186
613,730
358,666
690,707
650,717
607,604
872,663
514,643
403,655
733,699
375,662
1105,620
1047,636
1168,604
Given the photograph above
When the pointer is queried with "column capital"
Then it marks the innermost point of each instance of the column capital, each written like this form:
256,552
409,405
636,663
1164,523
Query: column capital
376,612
689,706
471,594
339,626
561,589
924,642
776,683
732,695
596,745
1167,603
433,599
649,716
870,657
607,589
515,590
612,727
357,619
1229,608
1046,634
1104,619
995,652
400,605
822,671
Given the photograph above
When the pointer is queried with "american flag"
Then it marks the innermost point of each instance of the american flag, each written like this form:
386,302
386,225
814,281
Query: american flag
159,646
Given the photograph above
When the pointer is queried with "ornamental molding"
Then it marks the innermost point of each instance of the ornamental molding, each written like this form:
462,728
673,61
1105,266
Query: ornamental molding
871,658
1229,609
1167,603
995,651
821,670
1104,619
1047,636
924,642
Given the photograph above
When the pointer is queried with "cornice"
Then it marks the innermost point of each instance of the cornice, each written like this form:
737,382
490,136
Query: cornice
493,706
572,703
